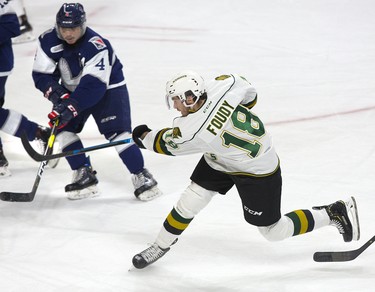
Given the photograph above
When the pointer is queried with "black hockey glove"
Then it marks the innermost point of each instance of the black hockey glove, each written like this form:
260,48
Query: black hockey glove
55,92
64,111
138,131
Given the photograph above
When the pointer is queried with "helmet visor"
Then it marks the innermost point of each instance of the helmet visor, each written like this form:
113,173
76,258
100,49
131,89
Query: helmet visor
182,96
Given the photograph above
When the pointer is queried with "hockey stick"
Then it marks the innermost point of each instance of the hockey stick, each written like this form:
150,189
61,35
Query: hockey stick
28,197
48,156
341,256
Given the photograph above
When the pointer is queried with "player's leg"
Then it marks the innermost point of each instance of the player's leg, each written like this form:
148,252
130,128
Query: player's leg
14,123
206,182
4,170
342,215
113,118
262,209
84,180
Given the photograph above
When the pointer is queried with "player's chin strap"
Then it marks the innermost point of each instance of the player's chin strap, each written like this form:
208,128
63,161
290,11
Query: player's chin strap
28,197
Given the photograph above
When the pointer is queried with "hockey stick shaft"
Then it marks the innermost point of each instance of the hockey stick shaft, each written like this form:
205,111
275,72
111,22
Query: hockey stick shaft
28,197
342,256
38,157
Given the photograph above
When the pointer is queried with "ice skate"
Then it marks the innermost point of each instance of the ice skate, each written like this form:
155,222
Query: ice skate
149,256
41,137
84,184
4,171
339,214
26,33
145,186
24,38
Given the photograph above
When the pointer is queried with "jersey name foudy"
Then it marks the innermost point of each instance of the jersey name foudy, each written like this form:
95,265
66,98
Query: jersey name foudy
220,117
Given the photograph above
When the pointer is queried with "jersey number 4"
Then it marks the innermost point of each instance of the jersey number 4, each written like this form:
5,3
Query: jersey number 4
245,121
101,64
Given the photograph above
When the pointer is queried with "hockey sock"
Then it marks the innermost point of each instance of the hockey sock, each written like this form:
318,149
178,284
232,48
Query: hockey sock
175,223
173,226
133,159
307,220
303,221
79,160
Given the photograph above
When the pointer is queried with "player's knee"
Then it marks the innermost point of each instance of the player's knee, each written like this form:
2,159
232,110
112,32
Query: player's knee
118,137
278,231
66,138
193,200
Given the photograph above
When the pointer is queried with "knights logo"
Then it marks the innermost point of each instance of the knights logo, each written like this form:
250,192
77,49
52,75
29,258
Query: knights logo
176,133
97,42
222,77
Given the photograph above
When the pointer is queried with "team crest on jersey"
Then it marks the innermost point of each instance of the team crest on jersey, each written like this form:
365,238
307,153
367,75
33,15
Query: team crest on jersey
97,42
176,133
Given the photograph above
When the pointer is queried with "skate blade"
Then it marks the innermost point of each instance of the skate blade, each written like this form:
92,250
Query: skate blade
24,38
150,194
90,192
351,207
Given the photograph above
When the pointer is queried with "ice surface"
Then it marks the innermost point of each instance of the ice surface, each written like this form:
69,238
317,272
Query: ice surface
313,65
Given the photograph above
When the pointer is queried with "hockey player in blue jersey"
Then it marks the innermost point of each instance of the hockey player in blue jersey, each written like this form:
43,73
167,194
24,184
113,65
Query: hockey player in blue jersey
12,122
78,71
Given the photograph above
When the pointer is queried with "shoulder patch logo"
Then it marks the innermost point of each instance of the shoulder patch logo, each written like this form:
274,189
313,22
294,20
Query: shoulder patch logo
97,42
222,77
176,133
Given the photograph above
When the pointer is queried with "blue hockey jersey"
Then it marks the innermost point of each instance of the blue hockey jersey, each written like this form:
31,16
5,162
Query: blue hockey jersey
87,69
9,28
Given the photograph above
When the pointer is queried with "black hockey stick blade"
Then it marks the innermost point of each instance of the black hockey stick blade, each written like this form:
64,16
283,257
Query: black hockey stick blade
28,197
16,197
25,197
341,256
39,157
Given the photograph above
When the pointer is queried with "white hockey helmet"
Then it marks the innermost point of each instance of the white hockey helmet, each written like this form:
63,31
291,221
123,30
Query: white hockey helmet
185,84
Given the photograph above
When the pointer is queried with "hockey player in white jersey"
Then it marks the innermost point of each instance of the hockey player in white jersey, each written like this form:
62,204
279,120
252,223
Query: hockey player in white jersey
216,120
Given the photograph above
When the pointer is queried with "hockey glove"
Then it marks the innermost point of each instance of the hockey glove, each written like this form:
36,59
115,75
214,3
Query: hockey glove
55,92
137,134
64,111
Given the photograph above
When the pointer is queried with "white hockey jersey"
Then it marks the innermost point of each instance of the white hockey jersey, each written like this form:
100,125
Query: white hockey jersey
232,138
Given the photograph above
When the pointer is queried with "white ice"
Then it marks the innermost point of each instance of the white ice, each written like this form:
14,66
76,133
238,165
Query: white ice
313,65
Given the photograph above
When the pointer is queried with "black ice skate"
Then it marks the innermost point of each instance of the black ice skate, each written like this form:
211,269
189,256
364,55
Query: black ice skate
42,136
26,31
149,256
84,184
145,186
338,213
25,25
4,171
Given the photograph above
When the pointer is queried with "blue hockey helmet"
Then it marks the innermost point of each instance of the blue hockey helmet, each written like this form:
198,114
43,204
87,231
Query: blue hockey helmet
71,15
